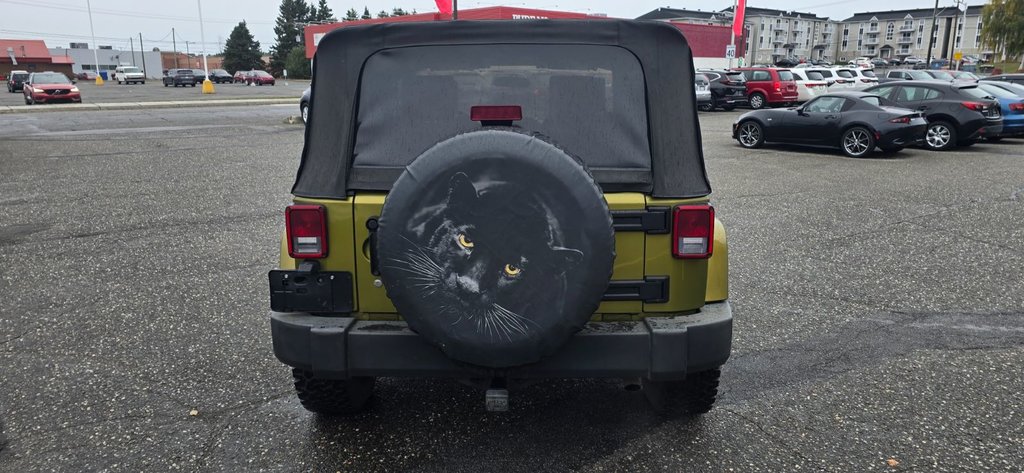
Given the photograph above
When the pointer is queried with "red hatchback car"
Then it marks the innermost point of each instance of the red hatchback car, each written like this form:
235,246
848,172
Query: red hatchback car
45,87
768,86
258,78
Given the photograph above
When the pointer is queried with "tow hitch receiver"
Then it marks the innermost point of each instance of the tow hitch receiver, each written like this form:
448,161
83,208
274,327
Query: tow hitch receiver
497,400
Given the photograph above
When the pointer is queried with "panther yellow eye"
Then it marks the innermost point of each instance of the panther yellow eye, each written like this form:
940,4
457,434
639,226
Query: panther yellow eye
464,241
511,270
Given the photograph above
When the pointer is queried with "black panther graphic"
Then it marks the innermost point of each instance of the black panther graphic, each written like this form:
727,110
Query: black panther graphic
487,259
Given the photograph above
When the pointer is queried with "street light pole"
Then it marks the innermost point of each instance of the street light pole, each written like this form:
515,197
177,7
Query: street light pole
95,47
207,84
932,38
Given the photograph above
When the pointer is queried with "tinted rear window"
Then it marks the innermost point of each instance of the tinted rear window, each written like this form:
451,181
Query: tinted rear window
785,75
868,73
19,76
736,76
814,75
825,74
589,99
997,92
844,74
975,92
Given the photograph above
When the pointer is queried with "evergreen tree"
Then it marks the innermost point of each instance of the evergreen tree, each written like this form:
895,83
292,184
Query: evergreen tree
241,50
351,15
292,14
366,14
322,13
297,64
398,12
383,14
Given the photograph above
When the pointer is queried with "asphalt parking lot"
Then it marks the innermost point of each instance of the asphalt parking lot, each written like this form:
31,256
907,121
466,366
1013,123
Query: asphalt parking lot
879,309
154,91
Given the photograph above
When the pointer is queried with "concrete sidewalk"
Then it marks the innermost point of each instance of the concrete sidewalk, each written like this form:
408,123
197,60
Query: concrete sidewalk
140,105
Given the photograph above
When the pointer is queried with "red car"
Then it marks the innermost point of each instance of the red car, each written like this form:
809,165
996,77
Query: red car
258,78
768,86
45,87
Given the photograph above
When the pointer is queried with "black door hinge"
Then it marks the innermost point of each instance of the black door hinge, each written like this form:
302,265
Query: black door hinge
650,220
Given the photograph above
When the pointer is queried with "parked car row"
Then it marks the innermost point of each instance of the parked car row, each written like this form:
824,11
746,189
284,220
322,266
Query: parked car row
763,86
928,74
936,114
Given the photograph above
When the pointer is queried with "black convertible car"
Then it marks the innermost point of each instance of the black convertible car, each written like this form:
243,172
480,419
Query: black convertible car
855,122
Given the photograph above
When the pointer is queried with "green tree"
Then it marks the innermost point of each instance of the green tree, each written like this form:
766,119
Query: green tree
291,14
383,14
297,64
398,12
1003,28
241,50
351,15
366,14
322,13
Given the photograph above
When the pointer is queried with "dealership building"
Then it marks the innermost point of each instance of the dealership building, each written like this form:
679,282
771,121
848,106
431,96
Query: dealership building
30,55
82,59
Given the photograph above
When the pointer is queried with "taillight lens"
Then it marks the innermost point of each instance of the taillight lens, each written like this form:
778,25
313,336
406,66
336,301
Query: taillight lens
778,86
905,119
307,231
693,231
976,106
1017,107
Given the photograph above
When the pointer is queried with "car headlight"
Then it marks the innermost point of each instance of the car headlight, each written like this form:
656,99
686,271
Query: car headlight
74,90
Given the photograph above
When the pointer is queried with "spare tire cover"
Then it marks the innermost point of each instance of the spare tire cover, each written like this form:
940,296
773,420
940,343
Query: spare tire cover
496,246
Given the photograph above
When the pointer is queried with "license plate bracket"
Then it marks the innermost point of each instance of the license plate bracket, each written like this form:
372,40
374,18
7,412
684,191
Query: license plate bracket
321,291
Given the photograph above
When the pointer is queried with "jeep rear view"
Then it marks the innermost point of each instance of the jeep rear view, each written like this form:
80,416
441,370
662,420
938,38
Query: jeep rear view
499,202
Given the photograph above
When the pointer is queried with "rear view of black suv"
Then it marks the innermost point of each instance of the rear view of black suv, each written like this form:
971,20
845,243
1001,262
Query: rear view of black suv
16,81
728,88
179,78
958,114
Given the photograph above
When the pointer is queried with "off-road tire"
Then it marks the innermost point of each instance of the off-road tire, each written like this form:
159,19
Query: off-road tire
758,101
692,396
333,397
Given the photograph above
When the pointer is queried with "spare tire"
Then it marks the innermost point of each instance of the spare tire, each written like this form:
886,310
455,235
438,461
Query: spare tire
496,246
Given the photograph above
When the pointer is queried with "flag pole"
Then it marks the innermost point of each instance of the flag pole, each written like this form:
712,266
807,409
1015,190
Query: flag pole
732,41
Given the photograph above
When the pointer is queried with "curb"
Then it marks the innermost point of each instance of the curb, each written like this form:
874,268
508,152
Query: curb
94,107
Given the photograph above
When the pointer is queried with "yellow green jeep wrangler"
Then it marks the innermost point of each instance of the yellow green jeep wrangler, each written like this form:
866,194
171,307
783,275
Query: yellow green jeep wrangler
500,202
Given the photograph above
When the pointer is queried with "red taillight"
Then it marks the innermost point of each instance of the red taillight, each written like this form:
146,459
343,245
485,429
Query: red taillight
495,113
693,231
865,80
307,231
905,119
778,86
976,106
1017,107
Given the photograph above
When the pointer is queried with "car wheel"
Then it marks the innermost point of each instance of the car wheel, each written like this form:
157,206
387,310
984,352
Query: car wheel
692,396
757,101
193,84
750,134
27,102
165,84
994,139
728,108
305,112
940,136
706,107
857,142
333,397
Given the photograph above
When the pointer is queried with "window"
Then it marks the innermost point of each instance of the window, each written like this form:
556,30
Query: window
885,91
846,44
825,105
889,30
760,75
785,75
916,94
920,40
563,83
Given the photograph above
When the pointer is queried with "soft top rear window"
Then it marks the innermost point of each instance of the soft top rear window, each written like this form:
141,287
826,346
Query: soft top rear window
588,99
785,75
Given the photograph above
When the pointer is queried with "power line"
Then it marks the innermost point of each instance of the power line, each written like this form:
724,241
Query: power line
125,13
36,34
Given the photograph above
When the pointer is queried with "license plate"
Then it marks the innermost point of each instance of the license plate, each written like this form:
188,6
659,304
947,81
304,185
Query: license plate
701,89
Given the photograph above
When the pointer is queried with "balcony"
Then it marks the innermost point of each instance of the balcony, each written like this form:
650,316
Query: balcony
871,30
779,52
907,27
905,40
903,51
870,40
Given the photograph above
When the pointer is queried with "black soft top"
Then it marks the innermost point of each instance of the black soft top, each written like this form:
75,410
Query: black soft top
677,167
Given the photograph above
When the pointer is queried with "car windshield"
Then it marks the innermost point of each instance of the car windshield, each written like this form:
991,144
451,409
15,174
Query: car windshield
876,100
184,73
130,70
1015,88
785,75
941,75
868,73
814,75
701,79
997,92
50,78
966,75
919,75
736,76
844,74
262,74
429,91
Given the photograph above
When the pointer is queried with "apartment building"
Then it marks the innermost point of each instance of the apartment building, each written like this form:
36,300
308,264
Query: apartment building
771,35
902,33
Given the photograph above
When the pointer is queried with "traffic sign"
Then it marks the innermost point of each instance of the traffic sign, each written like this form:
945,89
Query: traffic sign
958,56
730,51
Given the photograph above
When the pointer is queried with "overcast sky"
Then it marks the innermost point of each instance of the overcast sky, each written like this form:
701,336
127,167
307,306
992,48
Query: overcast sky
62,21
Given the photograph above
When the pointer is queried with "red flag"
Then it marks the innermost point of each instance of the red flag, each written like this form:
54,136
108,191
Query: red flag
737,18
444,6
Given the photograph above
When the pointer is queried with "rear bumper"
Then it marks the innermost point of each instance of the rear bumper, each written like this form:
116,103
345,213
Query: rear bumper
657,348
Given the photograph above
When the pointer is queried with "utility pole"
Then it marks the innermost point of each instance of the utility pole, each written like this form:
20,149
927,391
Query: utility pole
131,42
174,46
142,49
932,38
455,9
95,47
